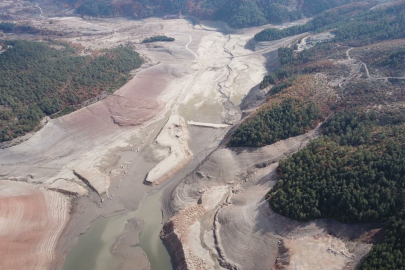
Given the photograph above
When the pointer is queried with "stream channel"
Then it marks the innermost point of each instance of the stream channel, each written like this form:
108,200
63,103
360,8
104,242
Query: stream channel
92,251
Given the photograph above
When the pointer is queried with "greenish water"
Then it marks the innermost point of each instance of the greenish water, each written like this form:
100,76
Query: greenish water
149,240
92,251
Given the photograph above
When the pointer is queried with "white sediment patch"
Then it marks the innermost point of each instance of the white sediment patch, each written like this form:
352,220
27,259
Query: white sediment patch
174,135
318,252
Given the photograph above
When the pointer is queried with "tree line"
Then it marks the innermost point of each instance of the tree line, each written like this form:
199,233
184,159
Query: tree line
350,23
270,124
237,13
157,38
38,80
355,172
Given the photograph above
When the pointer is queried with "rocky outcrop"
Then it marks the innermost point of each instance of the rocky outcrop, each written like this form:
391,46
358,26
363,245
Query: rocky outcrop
174,245
185,235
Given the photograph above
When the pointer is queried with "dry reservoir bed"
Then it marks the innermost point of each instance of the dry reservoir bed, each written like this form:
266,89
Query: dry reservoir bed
102,153
163,127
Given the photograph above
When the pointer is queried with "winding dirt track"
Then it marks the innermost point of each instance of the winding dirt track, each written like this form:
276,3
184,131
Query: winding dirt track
189,42
40,9
367,70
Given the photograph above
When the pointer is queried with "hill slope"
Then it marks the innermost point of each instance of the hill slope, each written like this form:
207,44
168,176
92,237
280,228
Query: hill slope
54,80
354,172
239,13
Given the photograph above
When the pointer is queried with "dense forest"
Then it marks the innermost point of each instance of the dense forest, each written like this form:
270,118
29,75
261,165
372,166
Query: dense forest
52,81
355,172
350,23
238,13
95,8
396,59
8,27
292,64
290,118
158,38
389,254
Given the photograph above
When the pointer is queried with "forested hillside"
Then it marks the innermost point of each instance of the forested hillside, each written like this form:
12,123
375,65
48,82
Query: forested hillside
54,80
294,105
349,23
355,171
290,118
8,27
238,13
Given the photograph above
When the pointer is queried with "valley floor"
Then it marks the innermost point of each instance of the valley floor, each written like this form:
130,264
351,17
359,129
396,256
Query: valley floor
162,132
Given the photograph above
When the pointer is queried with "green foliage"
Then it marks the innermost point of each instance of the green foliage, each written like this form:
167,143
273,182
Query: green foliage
278,84
391,253
289,60
323,21
95,8
354,173
237,13
50,81
157,38
247,14
351,23
395,59
6,27
292,117
282,85
268,80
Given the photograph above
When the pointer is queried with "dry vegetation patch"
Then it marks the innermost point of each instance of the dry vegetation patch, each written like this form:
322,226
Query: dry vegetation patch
384,59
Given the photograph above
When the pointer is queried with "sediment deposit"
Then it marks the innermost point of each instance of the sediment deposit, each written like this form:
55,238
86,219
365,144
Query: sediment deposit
174,138
32,220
